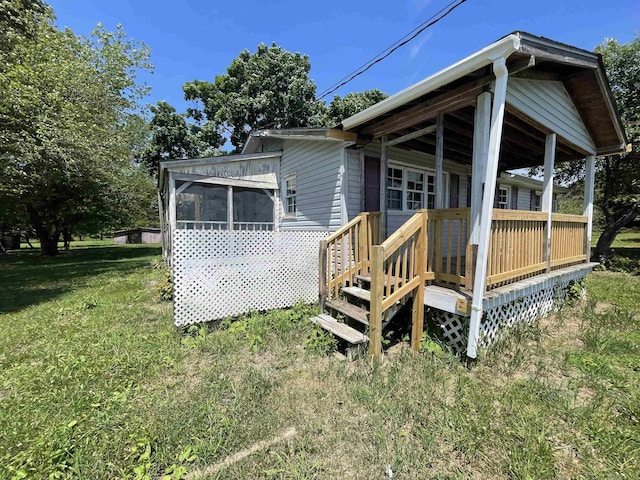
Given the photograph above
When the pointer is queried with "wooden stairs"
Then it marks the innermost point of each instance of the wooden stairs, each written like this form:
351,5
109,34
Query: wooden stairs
347,317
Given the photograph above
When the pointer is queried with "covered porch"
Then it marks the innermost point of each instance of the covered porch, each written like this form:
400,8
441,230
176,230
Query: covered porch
524,101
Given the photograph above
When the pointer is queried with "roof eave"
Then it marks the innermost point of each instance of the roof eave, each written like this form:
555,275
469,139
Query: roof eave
503,48
298,134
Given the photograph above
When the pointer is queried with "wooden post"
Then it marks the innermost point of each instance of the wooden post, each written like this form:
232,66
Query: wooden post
417,324
439,200
162,225
547,193
589,183
322,274
363,242
384,164
377,292
481,130
230,208
491,174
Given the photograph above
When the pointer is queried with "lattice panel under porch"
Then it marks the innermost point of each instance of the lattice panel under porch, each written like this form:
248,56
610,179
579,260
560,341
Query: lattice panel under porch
526,305
226,273
454,328
535,301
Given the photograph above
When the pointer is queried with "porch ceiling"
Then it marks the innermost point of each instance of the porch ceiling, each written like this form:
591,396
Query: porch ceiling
522,142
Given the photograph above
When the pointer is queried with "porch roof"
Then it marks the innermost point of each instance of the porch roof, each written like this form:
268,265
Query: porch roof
453,91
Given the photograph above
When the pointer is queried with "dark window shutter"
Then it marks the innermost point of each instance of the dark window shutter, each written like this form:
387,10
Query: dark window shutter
532,201
454,190
496,197
468,191
514,197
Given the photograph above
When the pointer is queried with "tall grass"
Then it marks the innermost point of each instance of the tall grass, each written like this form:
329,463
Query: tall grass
95,382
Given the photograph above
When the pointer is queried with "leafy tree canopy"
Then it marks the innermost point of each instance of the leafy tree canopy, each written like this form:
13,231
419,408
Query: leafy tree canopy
172,137
617,187
66,112
352,103
270,88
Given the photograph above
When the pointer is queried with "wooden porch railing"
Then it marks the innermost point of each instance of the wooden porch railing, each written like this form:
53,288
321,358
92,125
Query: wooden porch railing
399,269
449,235
517,245
568,246
434,245
346,253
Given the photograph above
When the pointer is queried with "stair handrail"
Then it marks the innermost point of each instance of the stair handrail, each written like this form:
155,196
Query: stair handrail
346,253
401,261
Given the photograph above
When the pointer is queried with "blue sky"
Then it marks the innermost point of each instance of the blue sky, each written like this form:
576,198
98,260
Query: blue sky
197,39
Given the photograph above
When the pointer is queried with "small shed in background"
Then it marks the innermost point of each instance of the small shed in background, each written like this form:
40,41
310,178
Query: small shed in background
137,235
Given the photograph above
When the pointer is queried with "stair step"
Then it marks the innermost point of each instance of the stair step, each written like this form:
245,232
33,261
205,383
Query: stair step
341,330
367,279
358,292
349,309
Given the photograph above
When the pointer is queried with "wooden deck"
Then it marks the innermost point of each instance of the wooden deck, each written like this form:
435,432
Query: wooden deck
459,302
430,260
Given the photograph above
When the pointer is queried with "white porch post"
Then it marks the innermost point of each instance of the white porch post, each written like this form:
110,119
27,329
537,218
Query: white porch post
589,185
491,173
481,129
384,161
172,203
172,216
439,200
229,208
547,192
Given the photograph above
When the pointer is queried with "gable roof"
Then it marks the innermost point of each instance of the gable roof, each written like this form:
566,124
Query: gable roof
580,71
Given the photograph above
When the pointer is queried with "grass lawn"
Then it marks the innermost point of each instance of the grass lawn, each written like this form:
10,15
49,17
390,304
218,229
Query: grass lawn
95,382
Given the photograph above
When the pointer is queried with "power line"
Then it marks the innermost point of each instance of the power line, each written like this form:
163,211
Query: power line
429,22
435,18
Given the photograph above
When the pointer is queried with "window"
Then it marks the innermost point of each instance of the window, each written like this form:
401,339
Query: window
394,188
408,188
415,190
290,194
504,195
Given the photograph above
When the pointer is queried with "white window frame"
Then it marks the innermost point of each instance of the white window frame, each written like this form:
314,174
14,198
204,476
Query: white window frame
405,190
396,189
506,205
287,180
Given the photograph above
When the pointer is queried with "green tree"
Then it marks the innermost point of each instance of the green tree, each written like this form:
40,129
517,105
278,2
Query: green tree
66,112
352,103
618,176
173,138
270,88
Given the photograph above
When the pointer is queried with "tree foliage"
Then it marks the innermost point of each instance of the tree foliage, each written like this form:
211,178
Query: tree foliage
618,176
352,103
269,88
172,137
66,113
617,181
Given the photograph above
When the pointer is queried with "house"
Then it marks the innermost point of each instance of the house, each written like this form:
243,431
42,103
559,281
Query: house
137,235
411,201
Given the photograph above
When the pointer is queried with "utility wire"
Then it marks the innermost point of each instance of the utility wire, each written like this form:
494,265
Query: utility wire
435,18
429,22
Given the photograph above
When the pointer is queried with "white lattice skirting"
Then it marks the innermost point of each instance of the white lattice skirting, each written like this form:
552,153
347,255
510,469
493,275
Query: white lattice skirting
538,297
227,273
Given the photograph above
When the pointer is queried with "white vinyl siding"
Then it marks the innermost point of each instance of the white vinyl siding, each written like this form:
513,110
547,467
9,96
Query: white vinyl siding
354,184
548,103
524,198
316,165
